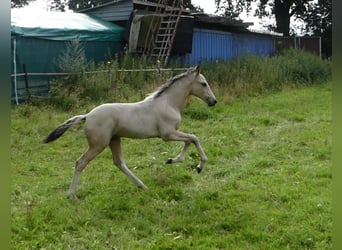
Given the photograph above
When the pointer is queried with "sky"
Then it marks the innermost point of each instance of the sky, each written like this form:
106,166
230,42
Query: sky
36,6
208,6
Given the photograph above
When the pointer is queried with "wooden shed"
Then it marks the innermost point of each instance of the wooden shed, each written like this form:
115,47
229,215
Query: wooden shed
151,26
194,37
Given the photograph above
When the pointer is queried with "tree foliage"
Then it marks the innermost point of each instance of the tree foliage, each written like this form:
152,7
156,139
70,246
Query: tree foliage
318,20
20,3
281,10
316,15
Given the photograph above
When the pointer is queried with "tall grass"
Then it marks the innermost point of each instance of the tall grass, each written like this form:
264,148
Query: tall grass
255,75
249,75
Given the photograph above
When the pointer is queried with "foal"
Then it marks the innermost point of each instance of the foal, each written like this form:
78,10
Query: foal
158,115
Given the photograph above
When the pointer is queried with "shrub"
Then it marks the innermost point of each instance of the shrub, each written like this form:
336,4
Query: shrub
64,91
300,67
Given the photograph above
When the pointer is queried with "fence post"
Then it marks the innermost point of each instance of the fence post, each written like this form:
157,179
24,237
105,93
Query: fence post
158,66
15,70
26,82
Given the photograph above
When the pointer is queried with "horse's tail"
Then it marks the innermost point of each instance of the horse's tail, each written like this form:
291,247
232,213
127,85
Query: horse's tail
63,127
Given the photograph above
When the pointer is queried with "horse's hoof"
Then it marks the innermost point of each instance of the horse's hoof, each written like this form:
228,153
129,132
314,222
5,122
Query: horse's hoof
142,186
169,161
72,197
199,170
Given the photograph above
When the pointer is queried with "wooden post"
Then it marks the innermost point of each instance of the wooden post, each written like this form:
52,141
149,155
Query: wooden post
26,83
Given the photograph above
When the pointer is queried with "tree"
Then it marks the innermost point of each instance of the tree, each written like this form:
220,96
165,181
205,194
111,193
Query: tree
19,3
75,4
318,20
282,10
316,15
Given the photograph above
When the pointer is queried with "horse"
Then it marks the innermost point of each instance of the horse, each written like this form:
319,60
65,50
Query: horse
156,116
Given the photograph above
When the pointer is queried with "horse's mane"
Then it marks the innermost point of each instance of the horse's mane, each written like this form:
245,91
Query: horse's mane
168,84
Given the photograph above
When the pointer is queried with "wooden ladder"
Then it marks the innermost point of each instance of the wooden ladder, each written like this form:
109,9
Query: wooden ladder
159,47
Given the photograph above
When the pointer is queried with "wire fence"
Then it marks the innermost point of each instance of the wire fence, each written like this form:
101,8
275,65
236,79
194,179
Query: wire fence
23,92
159,70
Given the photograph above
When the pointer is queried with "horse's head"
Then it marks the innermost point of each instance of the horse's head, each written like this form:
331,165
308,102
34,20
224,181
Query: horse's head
201,88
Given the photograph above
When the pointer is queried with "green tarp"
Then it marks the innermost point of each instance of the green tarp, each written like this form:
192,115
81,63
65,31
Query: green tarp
38,39
64,26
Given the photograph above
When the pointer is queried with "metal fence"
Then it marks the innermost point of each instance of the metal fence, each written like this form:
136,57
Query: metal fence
311,44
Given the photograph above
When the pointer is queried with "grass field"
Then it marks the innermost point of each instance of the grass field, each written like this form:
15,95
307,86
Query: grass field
267,183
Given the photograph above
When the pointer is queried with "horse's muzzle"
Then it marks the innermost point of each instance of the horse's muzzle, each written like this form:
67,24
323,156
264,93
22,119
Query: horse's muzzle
211,101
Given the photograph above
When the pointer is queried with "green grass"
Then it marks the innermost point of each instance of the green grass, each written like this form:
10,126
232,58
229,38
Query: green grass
267,183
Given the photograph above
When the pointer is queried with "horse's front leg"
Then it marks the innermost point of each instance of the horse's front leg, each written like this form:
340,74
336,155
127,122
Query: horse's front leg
187,138
181,156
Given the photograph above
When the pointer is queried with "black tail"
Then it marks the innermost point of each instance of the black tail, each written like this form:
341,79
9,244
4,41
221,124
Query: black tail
63,127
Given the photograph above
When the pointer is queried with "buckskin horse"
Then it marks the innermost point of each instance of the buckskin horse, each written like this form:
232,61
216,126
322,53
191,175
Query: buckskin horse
158,115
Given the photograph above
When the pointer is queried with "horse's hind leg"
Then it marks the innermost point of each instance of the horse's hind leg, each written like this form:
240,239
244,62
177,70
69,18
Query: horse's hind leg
115,146
81,163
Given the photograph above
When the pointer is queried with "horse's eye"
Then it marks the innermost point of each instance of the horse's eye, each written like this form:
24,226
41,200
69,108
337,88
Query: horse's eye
204,84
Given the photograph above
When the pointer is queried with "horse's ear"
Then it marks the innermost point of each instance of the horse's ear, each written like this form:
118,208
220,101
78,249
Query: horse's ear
197,69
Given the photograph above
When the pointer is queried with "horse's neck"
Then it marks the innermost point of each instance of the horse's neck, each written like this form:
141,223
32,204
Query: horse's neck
177,96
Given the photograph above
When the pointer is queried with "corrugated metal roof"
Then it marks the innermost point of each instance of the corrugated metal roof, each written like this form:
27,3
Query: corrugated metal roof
227,21
114,11
140,2
224,23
